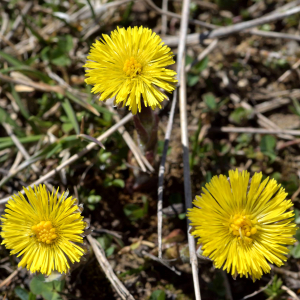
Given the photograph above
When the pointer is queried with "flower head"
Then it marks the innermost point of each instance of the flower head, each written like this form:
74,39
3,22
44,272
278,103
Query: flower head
44,229
243,224
129,64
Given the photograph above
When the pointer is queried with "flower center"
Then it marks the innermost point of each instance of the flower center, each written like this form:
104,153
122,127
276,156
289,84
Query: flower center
132,67
45,232
243,227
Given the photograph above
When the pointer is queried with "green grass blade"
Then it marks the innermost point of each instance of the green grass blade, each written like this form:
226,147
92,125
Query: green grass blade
82,103
11,60
71,115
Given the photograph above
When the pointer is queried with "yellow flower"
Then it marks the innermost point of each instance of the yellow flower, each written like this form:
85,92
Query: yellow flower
44,229
130,64
242,225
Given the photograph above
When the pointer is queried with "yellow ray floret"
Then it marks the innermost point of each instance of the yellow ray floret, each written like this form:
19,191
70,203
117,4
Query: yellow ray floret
44,228
130,64
243,224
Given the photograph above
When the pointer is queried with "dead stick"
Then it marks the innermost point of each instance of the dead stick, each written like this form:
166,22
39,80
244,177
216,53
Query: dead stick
180,54
9,278
162,261
195,38
187,176
38,86
249,130
276,35
295,275
107,269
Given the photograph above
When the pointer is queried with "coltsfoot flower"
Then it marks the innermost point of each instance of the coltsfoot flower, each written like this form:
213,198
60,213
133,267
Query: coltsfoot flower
130,64
44,228
243,224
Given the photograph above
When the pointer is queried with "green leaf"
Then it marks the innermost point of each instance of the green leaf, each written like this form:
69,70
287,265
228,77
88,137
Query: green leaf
188,60
240,115
202,64
109,251
50,295
297,235
71,115
297,216
158,295
22,293
38,286
192,79
104,156
182,216
133,211
65,43
268,143
61,60
32,296
210,101
59,285
67,127
118,183
266,27
296,251
105,241
45,53
94,199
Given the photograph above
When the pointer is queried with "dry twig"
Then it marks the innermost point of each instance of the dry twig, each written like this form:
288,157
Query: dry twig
164,18
38,86
252,130
290,292
9,278
107,269
295,275
195,38
140,158
187,176
287,73
276,35
180,73
162,261
259,291
181,49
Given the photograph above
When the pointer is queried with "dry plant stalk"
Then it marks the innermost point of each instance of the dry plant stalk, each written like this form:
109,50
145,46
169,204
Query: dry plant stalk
180,70
107,269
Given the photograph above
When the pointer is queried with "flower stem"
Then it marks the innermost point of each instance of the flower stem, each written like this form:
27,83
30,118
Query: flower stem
146,124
